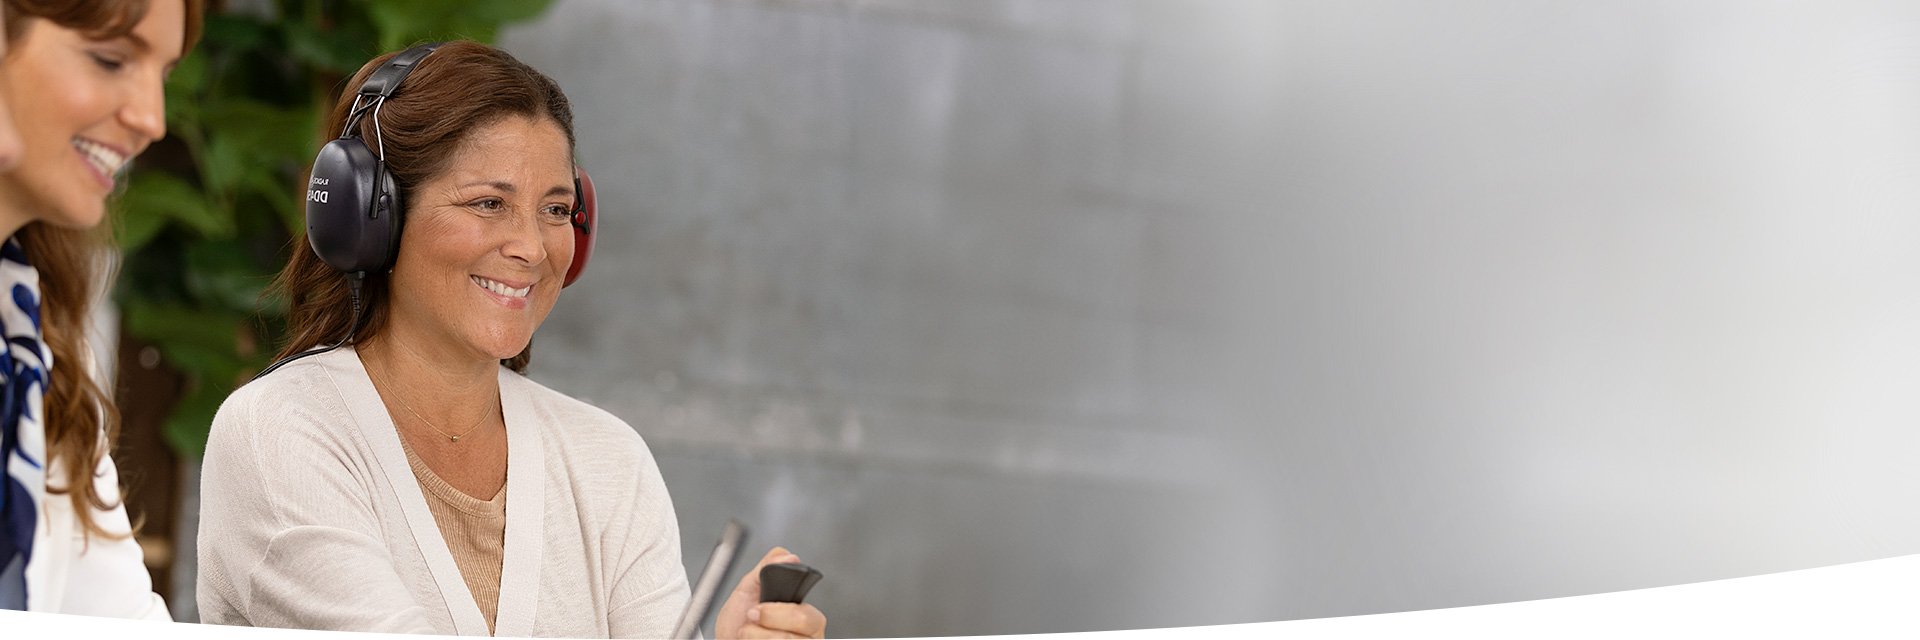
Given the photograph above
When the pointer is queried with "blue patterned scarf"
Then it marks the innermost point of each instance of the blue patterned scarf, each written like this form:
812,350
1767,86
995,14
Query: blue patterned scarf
23,439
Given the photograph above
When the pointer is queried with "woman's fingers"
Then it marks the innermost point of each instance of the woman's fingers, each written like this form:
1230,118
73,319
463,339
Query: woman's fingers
749,588
802,620
732,621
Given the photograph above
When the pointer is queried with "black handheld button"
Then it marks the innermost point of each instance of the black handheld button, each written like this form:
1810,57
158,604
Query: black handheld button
787,582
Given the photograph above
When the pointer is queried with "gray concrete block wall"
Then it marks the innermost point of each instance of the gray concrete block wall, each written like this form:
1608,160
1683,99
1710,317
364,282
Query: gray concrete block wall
1029,316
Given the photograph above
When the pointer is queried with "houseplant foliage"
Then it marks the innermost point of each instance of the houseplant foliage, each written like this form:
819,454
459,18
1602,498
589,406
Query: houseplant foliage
209,212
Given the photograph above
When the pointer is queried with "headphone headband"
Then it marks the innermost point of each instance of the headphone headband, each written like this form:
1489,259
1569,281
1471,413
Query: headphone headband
380,86
384,81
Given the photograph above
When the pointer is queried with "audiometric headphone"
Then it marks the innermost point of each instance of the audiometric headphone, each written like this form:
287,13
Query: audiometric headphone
354,210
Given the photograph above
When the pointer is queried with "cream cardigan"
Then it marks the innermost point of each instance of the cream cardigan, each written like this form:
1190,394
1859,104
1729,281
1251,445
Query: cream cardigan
310,517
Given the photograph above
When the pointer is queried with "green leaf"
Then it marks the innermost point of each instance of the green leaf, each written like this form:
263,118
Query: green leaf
404,22
198,331
152,195
184,89
283,196
186,429
340,50
222,163
498,12
189,74
202,360
400,22
134,228
234,33
262,130
221,273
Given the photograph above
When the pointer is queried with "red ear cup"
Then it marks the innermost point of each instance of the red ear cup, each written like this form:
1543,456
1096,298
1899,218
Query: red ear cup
585,223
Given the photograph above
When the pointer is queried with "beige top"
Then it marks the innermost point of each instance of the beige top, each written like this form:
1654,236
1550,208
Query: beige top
475,530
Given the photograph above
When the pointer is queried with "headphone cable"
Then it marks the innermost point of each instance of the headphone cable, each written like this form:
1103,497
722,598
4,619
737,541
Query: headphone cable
354,281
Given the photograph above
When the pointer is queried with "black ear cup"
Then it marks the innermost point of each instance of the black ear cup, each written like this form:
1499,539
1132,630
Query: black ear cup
352,217
354,210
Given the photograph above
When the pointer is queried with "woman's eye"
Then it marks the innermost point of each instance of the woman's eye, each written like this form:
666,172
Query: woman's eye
489,204
558,212
108,62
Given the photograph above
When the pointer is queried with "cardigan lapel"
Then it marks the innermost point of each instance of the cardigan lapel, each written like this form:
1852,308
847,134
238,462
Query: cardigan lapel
526,511
350,377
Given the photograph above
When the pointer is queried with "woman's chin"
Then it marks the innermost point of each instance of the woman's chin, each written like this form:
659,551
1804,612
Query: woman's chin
507,349
80,214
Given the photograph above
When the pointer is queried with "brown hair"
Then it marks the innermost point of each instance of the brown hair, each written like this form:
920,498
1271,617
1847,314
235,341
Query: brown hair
97,19
81,420
462,86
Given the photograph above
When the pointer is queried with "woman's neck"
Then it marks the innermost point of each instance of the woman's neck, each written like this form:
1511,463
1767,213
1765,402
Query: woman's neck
449,393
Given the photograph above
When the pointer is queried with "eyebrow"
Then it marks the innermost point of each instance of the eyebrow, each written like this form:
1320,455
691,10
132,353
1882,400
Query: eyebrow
509,188
138,42
141,45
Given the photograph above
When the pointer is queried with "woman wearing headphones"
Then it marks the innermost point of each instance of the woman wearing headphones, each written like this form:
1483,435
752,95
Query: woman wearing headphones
412,479
84,83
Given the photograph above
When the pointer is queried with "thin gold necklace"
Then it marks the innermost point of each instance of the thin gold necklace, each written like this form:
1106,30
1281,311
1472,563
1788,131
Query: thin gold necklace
429,423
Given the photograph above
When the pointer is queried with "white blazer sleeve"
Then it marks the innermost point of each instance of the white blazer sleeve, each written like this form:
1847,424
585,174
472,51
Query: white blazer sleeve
77,573
288,536
73,572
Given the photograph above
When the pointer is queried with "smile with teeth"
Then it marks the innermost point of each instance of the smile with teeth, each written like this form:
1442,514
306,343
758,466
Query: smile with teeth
100,156
501,288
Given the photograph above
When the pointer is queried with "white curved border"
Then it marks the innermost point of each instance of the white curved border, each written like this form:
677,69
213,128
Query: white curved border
1879,598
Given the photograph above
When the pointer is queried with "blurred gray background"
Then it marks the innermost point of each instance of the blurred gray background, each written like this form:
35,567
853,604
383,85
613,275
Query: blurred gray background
1023,316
